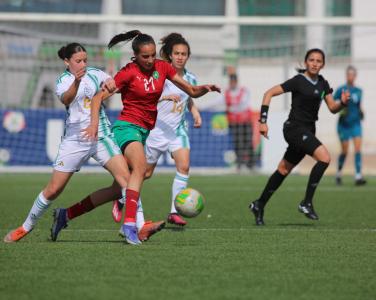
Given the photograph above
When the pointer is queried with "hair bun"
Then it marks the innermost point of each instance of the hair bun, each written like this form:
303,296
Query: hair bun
61,52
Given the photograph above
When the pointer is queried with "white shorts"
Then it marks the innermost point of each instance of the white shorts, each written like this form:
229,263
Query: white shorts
73,154
158,143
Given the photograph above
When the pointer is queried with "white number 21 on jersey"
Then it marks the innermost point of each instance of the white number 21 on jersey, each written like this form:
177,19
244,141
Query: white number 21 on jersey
149,83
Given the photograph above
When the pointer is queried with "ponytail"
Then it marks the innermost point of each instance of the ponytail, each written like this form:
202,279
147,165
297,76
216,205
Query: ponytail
300,70
138,38
123,37
169,41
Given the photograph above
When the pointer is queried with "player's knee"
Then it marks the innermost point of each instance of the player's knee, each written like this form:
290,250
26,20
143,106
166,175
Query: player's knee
139,170
52,191
122,179
322,154
184,169
283,170
326,158
148,174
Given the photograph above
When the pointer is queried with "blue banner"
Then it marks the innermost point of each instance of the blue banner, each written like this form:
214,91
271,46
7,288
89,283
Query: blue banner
31,137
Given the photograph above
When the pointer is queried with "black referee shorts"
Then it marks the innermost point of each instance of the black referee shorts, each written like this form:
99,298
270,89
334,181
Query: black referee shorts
301,140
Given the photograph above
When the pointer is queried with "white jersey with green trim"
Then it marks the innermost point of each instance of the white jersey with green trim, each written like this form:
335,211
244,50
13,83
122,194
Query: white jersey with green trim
170,113
78,111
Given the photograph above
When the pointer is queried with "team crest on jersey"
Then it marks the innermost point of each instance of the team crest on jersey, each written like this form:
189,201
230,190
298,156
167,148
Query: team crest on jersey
155,74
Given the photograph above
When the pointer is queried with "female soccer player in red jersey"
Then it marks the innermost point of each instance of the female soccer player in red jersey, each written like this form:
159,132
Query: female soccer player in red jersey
140,84
171,133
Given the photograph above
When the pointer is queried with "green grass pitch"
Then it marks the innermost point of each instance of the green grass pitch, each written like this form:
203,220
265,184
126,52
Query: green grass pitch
220,254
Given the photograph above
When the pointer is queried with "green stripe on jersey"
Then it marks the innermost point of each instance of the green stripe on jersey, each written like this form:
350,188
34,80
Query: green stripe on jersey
182,128
95,80
190,78
66,73
107,144
104,125
185,141
94,69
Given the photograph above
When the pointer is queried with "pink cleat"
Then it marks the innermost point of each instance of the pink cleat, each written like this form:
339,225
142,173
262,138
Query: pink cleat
149,229
176,219
15,235
117,211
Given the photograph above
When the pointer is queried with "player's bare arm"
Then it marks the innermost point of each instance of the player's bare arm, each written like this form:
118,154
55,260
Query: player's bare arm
91,132
194,91
71,93
195,113
172,97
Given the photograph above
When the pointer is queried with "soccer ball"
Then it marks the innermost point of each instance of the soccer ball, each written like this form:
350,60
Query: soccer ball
189,203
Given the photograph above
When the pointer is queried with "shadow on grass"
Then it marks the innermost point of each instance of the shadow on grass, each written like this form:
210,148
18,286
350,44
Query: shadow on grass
296,224
88,241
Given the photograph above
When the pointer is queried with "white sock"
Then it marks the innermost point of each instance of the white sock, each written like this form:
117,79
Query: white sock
180,183
122,199
140,220
40,205
358,176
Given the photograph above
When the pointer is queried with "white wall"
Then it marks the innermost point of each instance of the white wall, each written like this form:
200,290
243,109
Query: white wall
363,37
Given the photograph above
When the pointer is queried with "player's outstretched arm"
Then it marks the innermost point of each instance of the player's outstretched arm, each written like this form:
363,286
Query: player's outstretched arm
172,97
268,95
194,91
336,106
195,113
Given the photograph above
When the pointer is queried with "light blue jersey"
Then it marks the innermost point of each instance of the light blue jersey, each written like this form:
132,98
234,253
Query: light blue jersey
351,114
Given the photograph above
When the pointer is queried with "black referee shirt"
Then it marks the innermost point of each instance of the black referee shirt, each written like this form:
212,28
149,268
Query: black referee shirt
306,97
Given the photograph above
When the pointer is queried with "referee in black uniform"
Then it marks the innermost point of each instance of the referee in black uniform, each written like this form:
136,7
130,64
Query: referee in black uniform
308,89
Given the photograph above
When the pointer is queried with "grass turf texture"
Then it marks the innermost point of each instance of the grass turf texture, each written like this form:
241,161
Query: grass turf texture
220,254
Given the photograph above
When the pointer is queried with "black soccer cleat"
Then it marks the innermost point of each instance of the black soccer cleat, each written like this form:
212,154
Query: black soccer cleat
308,211
360,181
338,180
258,211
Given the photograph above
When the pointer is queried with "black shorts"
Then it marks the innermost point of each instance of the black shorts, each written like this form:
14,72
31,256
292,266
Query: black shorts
301,140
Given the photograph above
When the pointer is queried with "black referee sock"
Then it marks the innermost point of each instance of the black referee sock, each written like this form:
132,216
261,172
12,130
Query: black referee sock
273,184
314,179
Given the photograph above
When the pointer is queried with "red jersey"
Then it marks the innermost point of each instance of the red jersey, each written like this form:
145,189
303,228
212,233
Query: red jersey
140,91
237,103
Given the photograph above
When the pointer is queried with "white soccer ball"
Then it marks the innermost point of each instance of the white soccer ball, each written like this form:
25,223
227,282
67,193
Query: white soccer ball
189,203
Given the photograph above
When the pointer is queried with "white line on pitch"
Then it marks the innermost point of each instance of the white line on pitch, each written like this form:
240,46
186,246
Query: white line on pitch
287,189
234,229
247,229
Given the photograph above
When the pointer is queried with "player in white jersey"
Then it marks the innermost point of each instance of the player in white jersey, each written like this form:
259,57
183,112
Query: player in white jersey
170,132
75,88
